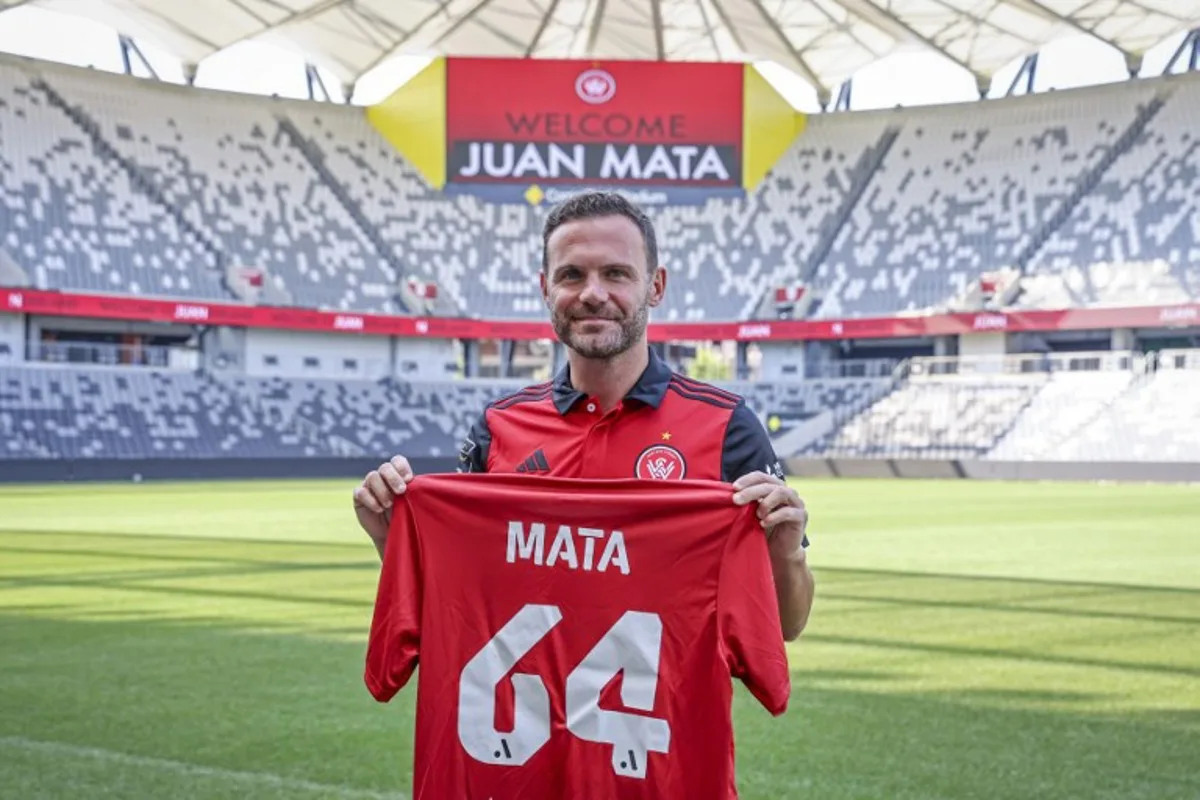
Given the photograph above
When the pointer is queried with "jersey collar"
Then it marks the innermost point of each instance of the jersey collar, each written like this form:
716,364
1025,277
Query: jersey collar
650,388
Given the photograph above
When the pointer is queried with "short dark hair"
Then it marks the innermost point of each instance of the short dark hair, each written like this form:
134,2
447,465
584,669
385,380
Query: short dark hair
600,204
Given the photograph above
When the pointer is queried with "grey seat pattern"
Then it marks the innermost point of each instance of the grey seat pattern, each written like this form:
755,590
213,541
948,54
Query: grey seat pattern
373,417
79,412
226,164
1066,401
72,219
50,411
722,256
962,191
937,417
129,413
1156,419
1137,234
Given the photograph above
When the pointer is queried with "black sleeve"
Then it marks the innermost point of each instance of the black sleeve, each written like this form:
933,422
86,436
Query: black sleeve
747,448
473,453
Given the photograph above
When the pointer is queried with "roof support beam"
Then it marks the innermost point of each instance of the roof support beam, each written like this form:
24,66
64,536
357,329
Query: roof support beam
708,28
389,28
1028,73
266,23
462,20
594,25
17,4
547,15
1036,7
854,8
890,23
183,31
516,44
773,24
656,15
296,16
729,26
1190,42
387,52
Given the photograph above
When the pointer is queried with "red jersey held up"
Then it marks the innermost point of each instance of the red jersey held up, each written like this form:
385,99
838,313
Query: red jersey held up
577,638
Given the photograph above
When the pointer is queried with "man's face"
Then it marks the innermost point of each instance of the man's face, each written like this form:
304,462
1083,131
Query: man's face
598,286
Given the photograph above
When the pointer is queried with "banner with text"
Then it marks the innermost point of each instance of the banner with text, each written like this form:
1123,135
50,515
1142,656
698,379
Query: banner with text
197,312
535,125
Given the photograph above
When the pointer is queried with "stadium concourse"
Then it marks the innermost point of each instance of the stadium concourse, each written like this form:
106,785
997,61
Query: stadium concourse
111,185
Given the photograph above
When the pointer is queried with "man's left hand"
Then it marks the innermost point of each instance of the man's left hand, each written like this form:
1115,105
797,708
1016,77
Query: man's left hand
780,510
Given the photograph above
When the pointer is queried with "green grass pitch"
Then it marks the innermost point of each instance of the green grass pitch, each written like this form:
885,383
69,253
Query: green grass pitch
969,640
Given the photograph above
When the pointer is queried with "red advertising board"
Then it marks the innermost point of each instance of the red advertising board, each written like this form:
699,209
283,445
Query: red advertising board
631,123
34,301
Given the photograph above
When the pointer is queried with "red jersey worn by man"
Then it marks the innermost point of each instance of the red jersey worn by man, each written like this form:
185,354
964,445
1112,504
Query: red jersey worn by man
668,427
576,638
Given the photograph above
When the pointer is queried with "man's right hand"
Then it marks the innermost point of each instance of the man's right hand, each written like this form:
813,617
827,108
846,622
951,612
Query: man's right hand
373,498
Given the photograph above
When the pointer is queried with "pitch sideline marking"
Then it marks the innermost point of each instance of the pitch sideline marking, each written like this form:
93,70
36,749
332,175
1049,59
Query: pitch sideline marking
185,768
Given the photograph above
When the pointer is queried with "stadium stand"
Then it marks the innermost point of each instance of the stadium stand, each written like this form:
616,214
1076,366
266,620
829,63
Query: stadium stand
936,416
1101,406
372,417
72,218
78,413
722,256
121,185
229,170
961,194
1137,233
1156,419
1067,401
120,412
1088,195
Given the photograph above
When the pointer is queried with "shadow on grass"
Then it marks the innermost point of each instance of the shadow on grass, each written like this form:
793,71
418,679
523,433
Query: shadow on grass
1004,653
291,706
361,547
850,574
247,569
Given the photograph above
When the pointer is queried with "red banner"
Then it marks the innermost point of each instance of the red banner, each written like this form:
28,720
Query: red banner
33,301
593,122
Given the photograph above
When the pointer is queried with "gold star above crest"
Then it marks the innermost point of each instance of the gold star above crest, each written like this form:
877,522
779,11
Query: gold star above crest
666,437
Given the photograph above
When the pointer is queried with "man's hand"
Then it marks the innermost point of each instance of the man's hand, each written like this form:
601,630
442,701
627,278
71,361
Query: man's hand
785,519
780,509
373,498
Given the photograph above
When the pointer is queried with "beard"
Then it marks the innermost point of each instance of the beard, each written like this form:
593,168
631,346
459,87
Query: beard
607,344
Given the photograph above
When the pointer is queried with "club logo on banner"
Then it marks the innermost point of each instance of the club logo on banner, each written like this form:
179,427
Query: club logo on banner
534,126
595,86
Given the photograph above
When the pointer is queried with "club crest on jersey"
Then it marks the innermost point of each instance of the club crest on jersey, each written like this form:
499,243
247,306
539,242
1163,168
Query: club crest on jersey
660,462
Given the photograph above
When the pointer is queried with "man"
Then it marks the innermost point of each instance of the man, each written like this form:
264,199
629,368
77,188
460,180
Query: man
616,410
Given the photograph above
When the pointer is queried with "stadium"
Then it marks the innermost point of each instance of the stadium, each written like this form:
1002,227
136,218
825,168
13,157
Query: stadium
971,327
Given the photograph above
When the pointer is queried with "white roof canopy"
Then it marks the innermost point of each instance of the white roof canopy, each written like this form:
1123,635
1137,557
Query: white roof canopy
824,41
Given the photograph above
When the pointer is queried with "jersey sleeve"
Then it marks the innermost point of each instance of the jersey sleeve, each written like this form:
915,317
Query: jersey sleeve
747,448
394,643
473,452
748,617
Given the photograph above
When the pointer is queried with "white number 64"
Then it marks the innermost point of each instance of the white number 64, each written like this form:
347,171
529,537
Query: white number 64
632,644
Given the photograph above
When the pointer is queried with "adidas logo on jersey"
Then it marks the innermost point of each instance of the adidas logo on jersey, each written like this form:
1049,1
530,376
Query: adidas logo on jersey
535,463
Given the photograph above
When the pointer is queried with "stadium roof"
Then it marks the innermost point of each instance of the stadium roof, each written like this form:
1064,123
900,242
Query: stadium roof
823,41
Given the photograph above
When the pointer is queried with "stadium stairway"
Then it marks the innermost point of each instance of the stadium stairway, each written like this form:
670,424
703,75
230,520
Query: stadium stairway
1049,449
136,176
881,427
864,172
1089,182
313,154
816,433
11,273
